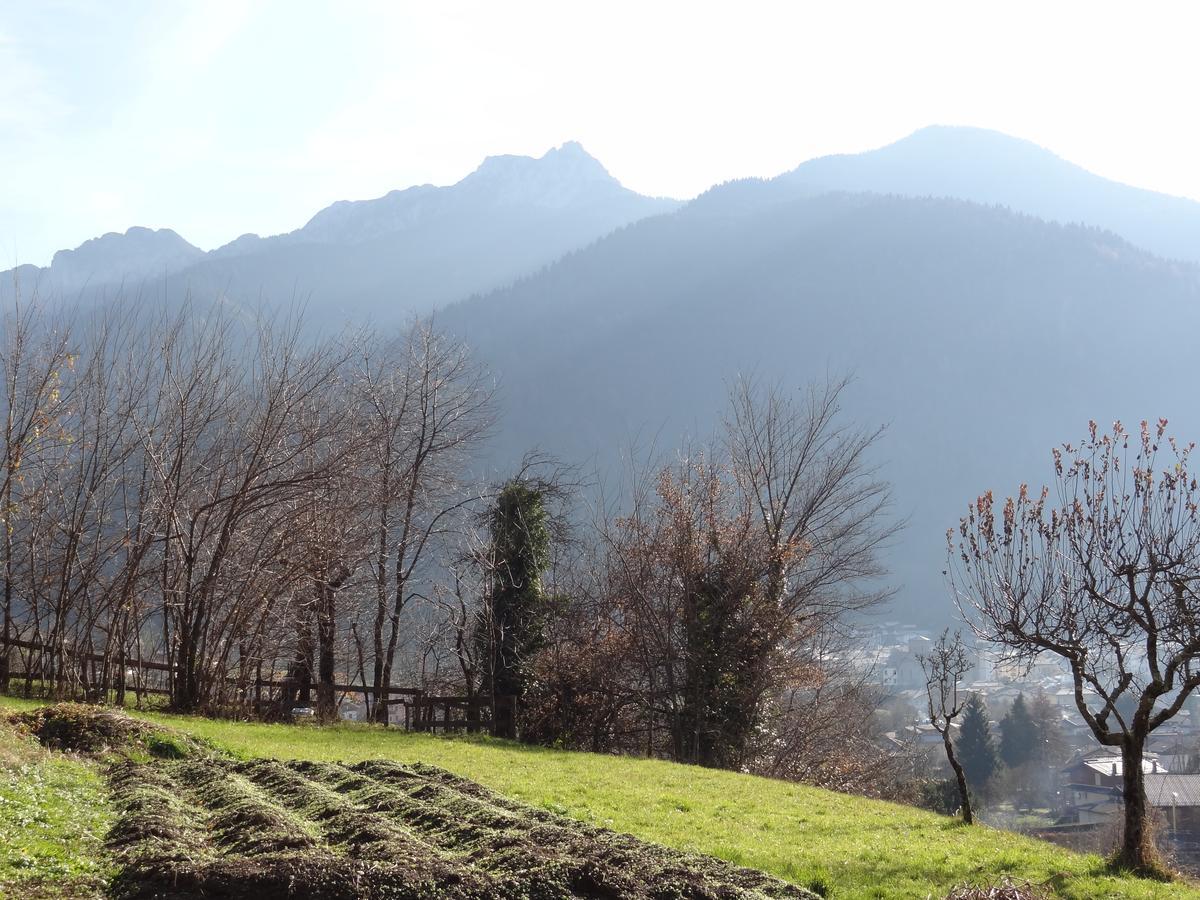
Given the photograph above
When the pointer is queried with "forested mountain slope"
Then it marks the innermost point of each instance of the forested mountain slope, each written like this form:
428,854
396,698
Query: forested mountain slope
979,336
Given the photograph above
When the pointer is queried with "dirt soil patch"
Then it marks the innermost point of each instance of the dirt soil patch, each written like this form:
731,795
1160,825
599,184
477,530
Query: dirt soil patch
216,828
1004,889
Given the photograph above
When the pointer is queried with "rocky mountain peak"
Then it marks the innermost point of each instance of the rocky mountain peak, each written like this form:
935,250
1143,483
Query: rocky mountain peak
137,254
556,178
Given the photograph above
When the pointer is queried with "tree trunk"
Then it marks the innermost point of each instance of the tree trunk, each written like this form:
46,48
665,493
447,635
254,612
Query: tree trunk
304,666
963,793
1137,851
379,711
6,650
326,619
6,641
183,690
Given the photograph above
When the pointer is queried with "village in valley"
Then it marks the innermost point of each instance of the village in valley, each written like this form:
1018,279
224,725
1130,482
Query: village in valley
1067,790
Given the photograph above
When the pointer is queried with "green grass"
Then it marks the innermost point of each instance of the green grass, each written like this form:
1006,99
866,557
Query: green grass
53,817
858,848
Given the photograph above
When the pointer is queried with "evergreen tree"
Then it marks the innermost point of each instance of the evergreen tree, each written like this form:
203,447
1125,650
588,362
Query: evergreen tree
1019,737
975,746
1051,744
516,612
1040,753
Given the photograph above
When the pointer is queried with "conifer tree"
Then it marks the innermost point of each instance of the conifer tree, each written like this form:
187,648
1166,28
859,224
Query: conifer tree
975,746
1051,747
1018,735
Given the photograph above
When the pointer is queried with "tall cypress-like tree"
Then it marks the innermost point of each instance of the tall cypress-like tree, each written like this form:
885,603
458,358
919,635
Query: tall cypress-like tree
516,611
975,746
1018,735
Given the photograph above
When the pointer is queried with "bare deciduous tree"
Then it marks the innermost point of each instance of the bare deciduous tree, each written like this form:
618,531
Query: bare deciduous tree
425,405
724,584
944,666
33,356
1106,580
817,494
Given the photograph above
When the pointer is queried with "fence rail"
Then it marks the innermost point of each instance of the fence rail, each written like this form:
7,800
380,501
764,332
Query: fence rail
421,711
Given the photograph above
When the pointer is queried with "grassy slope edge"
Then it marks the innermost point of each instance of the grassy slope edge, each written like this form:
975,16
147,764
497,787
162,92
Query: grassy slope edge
858,848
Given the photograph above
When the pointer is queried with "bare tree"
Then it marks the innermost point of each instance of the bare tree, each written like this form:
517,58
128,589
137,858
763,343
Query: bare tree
459,600
202,487
34,356
231,454
720,592
1106,580
944,666
817,494
425,405
66,508
331,537
823,727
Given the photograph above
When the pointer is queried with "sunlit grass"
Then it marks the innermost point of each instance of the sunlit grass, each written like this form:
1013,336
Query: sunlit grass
856,847
53,817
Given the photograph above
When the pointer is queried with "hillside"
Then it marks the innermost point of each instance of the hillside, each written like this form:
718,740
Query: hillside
980,337
849,847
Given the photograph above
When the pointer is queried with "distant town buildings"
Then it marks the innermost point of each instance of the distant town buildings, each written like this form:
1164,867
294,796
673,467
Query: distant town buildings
1087,790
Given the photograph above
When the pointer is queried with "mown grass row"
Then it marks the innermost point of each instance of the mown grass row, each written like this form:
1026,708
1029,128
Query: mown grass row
522,843
208,827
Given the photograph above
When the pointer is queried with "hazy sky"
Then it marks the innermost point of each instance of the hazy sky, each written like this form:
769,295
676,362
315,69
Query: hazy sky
216,119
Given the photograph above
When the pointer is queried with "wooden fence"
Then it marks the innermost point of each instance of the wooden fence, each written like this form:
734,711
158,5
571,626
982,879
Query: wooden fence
427,712
421,710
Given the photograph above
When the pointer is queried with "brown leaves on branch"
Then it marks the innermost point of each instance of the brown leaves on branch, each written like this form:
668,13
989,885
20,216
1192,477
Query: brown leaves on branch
1105,579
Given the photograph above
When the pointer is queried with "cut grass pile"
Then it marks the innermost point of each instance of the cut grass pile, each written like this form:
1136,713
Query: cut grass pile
80,728
1004,889
53,819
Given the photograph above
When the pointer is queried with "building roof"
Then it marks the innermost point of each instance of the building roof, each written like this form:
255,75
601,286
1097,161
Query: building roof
1113,766
1165,790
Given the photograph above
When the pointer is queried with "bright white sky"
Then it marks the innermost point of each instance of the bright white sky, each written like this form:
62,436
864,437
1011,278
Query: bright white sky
220,118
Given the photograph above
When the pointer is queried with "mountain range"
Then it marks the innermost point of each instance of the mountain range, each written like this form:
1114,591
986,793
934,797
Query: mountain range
388,258
992,168
988,297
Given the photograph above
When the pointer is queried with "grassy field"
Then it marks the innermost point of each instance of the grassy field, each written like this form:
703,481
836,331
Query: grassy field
849,846
53,817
